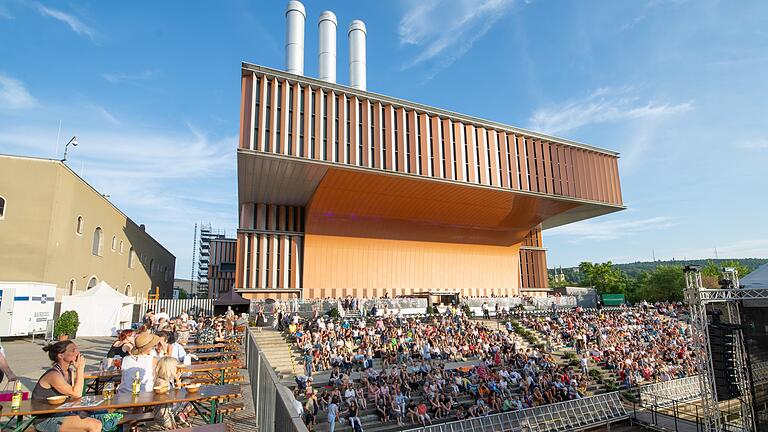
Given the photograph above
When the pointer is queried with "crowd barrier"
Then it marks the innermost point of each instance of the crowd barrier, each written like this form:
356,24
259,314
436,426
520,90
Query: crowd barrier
174,307
272,401
577,414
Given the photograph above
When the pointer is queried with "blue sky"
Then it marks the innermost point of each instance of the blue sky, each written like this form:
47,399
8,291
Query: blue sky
152,91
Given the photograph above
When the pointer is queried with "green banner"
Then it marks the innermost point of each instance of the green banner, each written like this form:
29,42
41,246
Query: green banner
613,299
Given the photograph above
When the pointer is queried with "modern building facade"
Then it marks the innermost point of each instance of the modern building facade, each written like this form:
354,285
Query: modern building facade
347,192
221,269
56,228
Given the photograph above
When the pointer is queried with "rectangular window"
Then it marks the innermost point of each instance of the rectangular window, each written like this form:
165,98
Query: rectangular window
383,133
395,146
312,153
247,279
256,97
290,119
278,283
407,127
346,129
509,162
359,117
488,156
453,150
323,127
370,138
464,145
268,117
336,129
257,248
442,147
477,156
278,116
418,144
301,120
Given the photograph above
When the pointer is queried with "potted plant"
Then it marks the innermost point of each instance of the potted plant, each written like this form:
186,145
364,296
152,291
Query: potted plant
66,325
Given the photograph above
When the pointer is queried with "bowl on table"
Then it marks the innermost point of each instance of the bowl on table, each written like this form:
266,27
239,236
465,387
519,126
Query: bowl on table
193,388
56,400
161,390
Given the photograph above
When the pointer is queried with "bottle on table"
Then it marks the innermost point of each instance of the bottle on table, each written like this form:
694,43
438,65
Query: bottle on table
17,396
136,386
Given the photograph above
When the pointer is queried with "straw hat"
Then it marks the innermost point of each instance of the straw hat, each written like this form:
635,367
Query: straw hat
144,342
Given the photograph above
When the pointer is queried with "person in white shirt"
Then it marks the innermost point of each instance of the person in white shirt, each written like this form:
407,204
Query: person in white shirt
140,361
162,314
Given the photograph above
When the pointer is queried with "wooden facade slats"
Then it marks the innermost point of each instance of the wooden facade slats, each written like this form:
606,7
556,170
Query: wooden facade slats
395,138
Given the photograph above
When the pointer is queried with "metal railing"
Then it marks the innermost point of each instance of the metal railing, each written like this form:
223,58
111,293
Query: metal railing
272,401
571,415
174,307
679,390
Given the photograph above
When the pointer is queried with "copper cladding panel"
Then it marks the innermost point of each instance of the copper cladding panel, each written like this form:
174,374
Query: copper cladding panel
246,111
363,267
359,204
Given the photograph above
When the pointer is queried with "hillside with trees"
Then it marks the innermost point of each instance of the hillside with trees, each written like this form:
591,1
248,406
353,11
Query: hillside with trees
652,281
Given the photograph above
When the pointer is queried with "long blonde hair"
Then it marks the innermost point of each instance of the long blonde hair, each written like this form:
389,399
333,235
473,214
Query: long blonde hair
166,368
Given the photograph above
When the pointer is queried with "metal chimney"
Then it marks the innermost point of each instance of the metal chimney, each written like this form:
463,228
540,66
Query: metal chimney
327,26
357,71
294,37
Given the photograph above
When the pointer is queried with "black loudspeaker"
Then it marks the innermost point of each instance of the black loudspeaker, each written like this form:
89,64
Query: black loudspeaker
722,340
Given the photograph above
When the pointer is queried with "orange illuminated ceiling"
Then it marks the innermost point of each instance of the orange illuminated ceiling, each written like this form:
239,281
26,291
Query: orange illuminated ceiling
361,202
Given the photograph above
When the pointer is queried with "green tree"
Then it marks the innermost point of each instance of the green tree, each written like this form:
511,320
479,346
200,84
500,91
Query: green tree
664,283
606,278
713,269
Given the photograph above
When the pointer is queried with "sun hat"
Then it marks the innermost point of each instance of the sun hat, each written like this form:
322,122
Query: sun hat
144,342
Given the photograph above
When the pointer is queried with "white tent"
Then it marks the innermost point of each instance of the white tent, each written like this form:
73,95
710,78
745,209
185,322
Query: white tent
102,310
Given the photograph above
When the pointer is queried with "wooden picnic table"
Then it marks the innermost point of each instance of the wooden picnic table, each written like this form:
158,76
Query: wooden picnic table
216,355
217,346
33,408
114,375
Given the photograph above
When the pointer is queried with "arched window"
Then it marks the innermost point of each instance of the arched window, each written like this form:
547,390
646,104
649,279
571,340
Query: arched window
151,266
98,241
114,243
121,247
79,226
128,290
72,286
2,208
131,257
92,283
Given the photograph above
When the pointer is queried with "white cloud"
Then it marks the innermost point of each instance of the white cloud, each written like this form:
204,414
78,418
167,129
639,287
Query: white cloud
72,21
117,77
602,106
445,30
13,94
756,144
610,229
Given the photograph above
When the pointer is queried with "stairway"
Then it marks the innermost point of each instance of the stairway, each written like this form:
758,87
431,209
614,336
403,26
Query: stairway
278,352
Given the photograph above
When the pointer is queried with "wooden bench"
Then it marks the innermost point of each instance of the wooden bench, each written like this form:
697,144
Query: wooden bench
218,427
131,420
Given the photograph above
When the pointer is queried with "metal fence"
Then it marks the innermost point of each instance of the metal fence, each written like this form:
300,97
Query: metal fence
272,401
174,307
680,390
571,415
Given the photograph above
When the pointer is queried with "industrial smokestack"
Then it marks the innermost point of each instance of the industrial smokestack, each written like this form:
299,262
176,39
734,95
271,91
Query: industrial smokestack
357,35
327,26
294,38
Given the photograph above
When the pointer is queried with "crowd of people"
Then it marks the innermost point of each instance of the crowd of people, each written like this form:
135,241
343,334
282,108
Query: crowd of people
429,368
153,353
643,344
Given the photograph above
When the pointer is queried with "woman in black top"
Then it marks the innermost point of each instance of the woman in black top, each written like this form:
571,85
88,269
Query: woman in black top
62,380
122,346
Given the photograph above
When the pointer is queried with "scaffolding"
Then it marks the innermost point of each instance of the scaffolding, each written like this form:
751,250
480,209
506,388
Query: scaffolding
698,298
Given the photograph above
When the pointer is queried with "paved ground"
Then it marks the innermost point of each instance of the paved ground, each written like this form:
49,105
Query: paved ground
28,360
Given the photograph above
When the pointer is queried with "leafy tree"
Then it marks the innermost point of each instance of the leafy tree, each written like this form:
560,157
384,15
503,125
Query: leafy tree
713,269
665,282
606,278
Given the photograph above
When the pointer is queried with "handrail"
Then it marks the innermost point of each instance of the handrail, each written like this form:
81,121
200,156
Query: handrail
570,415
